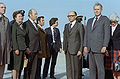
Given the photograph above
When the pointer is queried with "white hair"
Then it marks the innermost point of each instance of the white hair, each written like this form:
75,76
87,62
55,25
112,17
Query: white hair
114,17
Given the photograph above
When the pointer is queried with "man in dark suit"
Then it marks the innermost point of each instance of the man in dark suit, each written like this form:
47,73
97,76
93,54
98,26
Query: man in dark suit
54,43
44,45
73,46
33,44
96,40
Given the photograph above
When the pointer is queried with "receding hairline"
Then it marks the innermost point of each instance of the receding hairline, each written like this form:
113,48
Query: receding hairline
31,11
2,3
98,4
73,12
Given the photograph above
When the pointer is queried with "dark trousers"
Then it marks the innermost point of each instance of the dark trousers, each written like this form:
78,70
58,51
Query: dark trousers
96,65
53,55
38,69
108,74
2,68
73,66
29,71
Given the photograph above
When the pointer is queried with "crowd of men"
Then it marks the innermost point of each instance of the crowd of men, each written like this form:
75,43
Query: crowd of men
20,41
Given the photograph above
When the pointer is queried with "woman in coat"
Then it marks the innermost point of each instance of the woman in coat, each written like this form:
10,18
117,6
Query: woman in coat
18,42
114,45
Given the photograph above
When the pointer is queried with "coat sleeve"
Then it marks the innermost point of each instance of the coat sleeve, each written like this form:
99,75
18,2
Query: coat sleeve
106,32
9,37
14,37
60,45
65,38
86,36
27,32
81,37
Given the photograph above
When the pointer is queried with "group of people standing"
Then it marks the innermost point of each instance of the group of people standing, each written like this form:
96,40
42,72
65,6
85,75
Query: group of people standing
28,40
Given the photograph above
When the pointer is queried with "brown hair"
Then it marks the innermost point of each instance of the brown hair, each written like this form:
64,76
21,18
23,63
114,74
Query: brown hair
38,19
18,12
52,21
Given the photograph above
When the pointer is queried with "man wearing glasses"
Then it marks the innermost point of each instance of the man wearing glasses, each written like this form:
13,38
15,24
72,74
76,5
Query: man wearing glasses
72,46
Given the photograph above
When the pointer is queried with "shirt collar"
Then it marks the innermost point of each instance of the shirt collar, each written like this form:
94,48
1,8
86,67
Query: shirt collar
51,27
73,22
97,17
31,20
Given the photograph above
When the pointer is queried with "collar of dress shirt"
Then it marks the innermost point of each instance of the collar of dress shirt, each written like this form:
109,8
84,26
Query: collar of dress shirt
52,27
73,23
32,21
97,17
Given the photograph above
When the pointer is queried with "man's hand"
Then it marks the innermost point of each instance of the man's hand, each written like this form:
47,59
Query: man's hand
79,53
17,52
86,50
27,51
60,50
103,49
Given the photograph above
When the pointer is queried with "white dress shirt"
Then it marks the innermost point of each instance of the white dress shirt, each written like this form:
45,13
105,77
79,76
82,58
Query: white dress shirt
52,33
73,23
113,29
33,24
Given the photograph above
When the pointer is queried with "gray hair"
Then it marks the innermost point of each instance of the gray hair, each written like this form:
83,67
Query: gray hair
98,4
2,3
114,17
30,12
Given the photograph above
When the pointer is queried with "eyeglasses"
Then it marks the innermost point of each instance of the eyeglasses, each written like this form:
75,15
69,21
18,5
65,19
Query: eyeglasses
71,16
3,7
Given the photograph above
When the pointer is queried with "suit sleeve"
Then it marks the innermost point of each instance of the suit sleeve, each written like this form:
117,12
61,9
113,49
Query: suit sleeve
65,39
106,32
9,37
26,37
86,35
60,45
14,37
81,37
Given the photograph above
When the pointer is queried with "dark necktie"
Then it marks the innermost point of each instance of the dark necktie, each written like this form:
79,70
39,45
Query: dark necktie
70,27
55,34
94,23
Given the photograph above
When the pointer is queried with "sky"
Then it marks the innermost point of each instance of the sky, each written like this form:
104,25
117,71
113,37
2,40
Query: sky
60,9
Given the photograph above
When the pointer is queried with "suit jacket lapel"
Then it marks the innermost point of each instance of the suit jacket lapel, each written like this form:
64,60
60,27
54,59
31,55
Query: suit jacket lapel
50,32
110,31
90,24
115,32
73,28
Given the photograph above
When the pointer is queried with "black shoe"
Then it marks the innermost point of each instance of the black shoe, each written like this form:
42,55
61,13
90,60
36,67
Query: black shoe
52,77
44,78
82,74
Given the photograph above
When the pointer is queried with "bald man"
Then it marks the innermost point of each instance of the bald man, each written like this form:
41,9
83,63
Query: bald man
33,44
72,46
4,40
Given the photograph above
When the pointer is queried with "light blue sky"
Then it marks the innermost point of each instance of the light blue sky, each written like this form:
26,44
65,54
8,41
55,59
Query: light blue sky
60,8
